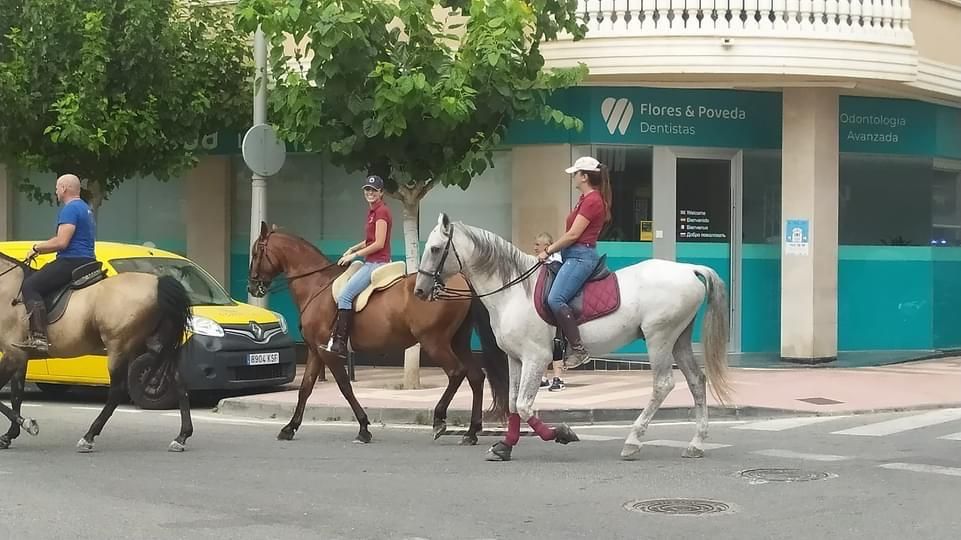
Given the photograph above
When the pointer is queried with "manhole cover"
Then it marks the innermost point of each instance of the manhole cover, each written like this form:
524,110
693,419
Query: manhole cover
679,507
763,476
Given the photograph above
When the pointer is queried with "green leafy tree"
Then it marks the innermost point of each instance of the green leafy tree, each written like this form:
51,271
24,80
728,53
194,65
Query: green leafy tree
109,90
418,91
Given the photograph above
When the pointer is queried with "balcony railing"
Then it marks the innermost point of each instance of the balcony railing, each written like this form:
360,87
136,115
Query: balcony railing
879,21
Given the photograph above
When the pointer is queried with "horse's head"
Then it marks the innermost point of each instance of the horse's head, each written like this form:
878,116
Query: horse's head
439,262
264,265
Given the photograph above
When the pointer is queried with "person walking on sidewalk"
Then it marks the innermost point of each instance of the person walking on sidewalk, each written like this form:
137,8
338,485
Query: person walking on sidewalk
375,249
578,247
540,244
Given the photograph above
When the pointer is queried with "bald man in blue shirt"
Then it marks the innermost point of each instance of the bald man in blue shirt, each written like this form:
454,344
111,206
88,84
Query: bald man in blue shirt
74,245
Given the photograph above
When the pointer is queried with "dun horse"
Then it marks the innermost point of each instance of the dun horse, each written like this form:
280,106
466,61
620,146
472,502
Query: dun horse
390,319
126,315
656,300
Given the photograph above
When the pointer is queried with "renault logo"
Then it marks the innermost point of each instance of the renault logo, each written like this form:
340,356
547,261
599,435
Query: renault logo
257,331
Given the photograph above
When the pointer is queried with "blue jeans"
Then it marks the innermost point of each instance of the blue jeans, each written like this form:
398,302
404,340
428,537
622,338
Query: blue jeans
579,262
356,285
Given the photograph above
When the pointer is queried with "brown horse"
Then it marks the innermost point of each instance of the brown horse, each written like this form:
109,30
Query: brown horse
127,315
393,320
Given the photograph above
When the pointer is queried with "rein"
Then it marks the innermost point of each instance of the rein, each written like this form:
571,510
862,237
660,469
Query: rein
442,292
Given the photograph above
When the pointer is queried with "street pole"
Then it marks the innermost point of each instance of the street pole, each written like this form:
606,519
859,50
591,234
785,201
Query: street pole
258,195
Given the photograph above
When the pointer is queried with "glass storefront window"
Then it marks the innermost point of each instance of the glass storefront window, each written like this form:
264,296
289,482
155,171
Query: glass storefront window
631,169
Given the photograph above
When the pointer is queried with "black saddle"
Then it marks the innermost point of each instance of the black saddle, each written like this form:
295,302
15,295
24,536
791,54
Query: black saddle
81,278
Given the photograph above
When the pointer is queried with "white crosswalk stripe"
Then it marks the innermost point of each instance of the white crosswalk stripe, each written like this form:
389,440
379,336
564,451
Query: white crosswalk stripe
773,452
683,444
781,424
920,467
898,425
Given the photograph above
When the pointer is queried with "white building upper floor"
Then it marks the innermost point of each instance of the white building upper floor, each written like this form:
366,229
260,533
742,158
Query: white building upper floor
907,48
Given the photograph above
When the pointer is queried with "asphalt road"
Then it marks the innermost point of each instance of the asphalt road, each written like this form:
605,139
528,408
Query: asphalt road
884,480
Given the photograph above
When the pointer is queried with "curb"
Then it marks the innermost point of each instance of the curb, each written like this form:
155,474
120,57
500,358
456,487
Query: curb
460,417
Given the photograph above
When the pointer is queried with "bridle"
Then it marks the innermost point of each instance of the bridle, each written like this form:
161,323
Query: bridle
263,284
441,292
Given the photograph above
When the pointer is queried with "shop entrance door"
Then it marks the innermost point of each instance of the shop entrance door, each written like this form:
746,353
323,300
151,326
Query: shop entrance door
699,219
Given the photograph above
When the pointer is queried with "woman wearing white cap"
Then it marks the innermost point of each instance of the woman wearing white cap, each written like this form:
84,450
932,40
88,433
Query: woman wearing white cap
375,249
578,246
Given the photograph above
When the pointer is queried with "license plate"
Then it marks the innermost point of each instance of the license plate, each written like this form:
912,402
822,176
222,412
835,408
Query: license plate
263,359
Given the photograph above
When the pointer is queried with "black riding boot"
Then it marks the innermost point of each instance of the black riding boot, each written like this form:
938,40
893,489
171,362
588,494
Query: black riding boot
339,333
36,342
568,324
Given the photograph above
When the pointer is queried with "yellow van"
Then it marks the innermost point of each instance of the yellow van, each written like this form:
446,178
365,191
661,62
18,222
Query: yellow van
230,345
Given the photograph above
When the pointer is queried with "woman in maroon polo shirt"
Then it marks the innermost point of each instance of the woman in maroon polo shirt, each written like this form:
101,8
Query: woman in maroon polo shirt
578,247
375,249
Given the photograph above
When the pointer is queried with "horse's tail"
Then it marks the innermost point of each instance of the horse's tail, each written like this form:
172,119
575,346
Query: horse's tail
715,332
495,360
174,307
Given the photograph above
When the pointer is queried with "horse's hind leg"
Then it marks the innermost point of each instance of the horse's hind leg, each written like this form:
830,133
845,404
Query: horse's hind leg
117,393
455,377
186,424
663,384
696,381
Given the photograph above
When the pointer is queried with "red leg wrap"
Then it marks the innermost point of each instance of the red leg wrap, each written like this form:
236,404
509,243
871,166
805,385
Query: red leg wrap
513,429
546,432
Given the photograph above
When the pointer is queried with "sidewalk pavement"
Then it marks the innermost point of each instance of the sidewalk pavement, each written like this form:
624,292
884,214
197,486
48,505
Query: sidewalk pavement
617,396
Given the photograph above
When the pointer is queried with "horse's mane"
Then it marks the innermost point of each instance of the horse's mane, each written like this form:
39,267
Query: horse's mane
494,255
303,241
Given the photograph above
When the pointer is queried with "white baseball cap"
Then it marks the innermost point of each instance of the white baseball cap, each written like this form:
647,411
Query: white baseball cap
585,163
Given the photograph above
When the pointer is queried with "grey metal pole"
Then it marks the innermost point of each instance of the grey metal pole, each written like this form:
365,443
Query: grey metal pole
258,198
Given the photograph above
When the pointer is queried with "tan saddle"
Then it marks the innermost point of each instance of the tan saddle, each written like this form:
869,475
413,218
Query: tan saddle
383,277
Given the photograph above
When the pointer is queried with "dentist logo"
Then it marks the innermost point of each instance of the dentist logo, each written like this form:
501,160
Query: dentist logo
617,114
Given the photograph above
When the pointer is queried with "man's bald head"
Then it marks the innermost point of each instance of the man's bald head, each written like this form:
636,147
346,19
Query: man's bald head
68,187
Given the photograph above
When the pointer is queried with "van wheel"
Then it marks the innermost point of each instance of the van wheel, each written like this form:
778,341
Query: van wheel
163,396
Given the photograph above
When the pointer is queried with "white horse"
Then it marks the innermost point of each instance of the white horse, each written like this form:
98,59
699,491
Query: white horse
659,301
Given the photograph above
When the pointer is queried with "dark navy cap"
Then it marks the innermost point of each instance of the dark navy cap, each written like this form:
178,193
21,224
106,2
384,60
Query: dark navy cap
374,181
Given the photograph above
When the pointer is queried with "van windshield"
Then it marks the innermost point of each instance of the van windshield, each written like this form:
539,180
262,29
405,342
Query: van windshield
202,289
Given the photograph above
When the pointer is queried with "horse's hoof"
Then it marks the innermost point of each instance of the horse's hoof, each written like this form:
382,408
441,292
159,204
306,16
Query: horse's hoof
499,452
176,447
469,440
630,452
693,452
286,434
84,446
363,437
439,429
563,434
4,442
31,426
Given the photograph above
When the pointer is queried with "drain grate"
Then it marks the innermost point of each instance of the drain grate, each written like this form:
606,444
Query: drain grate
763,476
679,507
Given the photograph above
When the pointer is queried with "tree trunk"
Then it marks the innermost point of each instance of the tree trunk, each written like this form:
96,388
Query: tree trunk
411,239
95,195
410,194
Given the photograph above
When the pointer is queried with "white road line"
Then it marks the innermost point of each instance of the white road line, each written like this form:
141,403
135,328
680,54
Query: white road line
38,405
781,424
952,437
898,425
78,408
683,444
599,438
773,452
919,467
